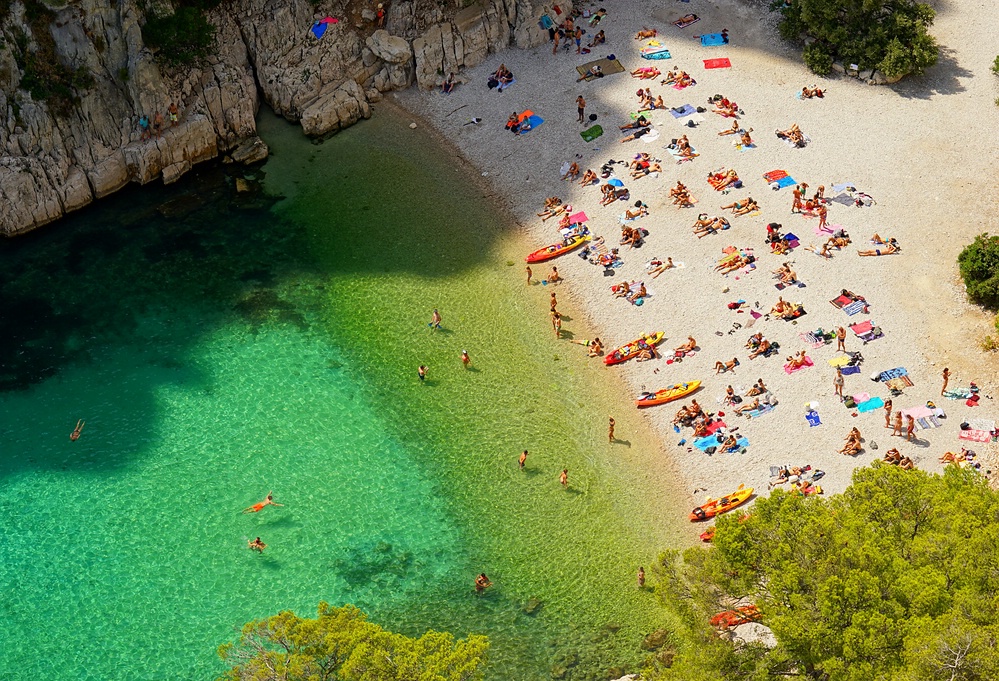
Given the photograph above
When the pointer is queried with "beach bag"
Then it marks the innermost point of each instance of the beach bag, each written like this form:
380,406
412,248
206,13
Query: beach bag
492,83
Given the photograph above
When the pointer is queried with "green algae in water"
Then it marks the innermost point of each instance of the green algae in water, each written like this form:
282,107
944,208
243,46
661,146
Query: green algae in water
220,346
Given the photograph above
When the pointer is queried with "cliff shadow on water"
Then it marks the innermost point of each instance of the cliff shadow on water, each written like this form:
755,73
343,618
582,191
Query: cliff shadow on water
155,269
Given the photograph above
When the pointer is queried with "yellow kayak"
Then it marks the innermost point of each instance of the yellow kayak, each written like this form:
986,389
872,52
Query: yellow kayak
674,392
561,248
713,507
626,352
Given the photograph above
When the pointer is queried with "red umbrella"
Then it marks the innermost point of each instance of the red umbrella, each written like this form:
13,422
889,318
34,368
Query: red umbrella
329,20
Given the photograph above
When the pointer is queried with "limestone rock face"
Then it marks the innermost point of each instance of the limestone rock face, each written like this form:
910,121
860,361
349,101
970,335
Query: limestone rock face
55,162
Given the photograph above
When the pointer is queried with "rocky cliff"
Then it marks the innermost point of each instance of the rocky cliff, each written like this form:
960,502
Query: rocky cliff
55,159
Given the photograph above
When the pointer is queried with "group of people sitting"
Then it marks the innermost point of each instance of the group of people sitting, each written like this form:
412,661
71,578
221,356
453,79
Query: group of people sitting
794,475
612,194
500,78
786,275
632,236
632,295
895,458
724,107
785,310
596,347
725,179
853,445
794,135
705,225
681,146
759,346
646,103
518,124
687,415
680,195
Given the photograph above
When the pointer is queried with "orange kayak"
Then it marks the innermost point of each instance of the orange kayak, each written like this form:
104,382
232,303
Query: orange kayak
561,248
713,507
626,352
733,618
674,392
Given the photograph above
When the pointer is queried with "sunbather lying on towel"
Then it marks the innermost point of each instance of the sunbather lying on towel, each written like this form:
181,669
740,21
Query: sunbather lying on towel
640,210
616,194
738,263
889,249
809,92
742,207
711,225
686,20
726,108
637,134
793,135
797,361
726,366
553,207
640,122
686,347
648,168
721,181
658,267
593,72
646,72
646,33
748,406
838,242
824,250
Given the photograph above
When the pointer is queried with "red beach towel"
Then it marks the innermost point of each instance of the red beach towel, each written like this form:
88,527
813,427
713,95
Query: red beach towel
721,63
775,175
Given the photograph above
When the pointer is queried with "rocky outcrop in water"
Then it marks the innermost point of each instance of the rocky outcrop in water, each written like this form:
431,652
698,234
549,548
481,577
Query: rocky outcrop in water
53,162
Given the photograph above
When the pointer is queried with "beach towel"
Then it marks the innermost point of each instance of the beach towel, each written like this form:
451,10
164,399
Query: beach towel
786,181
854,307
681,111
813,419
533,121
722,63
840,361
650,136
656,53
577,218
712,39
957,394
774,175
825,230
863,328
841,301
897,372
607,67
677,86
899,384
921,412
715,425
744,147
811,340
982,424
504,86
713,441
591,134
684,22
971,435
843,200
860,397
788,369
870,405
845,186
764,409
848,371
685,121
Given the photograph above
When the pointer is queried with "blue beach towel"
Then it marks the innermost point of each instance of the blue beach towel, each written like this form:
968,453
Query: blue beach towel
504,86
870,405
660,54
854,307
535,121
785,182
319,30
545,22
681,111
716,441
712,39
847,371
813,419
897,372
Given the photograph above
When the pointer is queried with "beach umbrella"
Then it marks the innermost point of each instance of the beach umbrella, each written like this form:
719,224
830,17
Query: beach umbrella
329,20
614,182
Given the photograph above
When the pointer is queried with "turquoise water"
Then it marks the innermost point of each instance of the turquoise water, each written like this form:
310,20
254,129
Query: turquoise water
220,345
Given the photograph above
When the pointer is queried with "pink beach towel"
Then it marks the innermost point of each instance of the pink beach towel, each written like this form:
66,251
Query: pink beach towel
577,218
808,363
972,435
862,328
714,426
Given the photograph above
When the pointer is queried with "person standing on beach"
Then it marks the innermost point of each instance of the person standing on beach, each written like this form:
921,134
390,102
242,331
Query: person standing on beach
558,37
557,324
946,377
579,39
838,383
641,577
610,430
465,359
841,339
796,203
564,478
897,425
822,212
554,302
888,414
910,427
435,320
530,273
580,107
422,372
523,459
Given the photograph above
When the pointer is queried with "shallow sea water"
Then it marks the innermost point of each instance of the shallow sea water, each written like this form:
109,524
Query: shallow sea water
220,345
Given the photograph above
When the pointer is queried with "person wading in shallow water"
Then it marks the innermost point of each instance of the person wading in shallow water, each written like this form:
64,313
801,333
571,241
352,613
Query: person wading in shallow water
421,371
564,477
523,459
256,545
482,582
610,429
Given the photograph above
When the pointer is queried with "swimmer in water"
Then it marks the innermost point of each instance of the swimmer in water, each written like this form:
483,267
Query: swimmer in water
268,501
465,359
482,582
256,545
435,320
523,459
75,435
564,477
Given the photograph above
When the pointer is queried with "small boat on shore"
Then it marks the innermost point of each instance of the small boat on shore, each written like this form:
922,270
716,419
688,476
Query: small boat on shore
561,248
626,352
713,507
674,392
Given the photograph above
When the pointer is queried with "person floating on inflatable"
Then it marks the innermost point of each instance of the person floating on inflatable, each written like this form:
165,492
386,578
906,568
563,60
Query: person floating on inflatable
268,501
